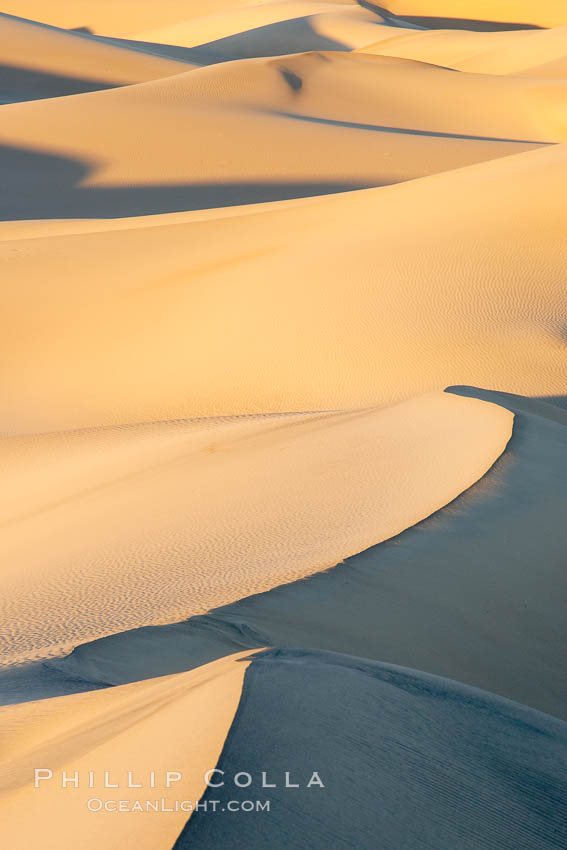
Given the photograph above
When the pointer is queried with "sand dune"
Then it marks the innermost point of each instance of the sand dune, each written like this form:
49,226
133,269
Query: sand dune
244,246
451,766
179,321
476,592
168,520
110,18
449,13
266,29
181,720
333,132
38,61
528,53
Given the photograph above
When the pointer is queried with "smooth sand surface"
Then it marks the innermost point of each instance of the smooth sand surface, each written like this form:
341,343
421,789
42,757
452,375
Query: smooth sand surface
176,724
168,520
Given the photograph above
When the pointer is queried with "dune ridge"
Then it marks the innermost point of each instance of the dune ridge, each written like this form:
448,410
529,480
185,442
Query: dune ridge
439,597
450,765
57,62
172,519
102,731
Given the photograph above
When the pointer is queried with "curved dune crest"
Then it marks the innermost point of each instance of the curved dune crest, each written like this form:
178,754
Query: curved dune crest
248,29
176,724
165,521
473,593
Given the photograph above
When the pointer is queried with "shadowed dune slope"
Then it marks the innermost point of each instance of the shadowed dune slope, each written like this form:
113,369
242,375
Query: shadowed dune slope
407,760
477,592
39,61
411,287
176,724
167,520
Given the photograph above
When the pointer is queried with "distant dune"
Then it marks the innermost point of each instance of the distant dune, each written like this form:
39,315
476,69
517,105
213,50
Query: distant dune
283,437
38,61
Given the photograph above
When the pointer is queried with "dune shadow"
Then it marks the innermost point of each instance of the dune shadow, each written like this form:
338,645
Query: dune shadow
405,131
38,185
276,39
557,400
21,84
189,55
443,23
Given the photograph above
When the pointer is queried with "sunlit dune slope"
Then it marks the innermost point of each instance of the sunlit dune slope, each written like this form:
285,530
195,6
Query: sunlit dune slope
262,130
529,53
177,724
342,302
109,17
114,528
39,61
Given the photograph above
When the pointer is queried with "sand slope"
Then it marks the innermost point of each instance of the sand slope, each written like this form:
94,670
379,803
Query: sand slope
449,13
212,317
476,592
168,520
529,53
408,760
262,130
178,723
38,61
110,18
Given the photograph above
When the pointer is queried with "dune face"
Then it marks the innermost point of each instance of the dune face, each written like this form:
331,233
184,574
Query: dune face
283,438
458,595
57,62
512,753
173,516
102,732
183,316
